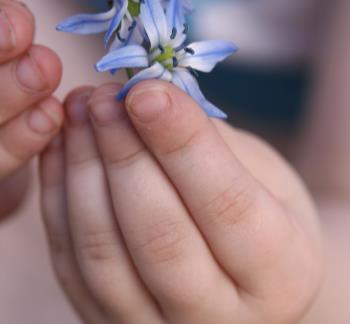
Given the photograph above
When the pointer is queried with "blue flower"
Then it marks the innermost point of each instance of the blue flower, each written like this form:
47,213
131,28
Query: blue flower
121,21
165,56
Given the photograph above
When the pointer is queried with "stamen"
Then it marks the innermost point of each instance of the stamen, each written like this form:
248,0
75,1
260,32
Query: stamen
189,50
161,48
175,61
133,25
185,31
123,40
173,33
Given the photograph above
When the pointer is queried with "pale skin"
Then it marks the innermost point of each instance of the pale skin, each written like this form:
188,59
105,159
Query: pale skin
170,217
29,115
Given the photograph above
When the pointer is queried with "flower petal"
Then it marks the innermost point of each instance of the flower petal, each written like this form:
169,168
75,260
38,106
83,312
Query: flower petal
185,81
176,22
131,56
86,24
207,54
121,11
156,71
155,23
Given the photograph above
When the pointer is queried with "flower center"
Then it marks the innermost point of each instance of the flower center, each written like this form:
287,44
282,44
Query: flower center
165,56
134,7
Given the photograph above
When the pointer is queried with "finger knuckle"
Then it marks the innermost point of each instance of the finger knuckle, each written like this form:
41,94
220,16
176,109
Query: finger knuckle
178,144
97,246
126,159
233,205
188,292
164,242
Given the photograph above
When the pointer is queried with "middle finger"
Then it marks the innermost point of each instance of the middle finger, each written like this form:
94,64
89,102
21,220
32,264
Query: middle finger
100,251
166,246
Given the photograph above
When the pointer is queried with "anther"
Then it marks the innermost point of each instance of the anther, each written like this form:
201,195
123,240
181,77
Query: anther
189,50
123,40
173,33
175,62
185,31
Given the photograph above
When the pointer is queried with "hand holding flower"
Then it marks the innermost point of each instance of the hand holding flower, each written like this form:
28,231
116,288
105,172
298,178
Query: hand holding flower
157,214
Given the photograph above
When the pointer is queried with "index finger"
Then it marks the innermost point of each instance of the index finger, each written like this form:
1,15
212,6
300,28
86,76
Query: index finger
246,228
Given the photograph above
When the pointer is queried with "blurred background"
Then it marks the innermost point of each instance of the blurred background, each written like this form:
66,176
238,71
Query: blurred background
263,88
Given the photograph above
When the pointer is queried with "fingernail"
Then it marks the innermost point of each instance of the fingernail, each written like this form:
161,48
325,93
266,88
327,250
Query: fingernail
29,74
7,33
46,118
77,109
106,110
147,105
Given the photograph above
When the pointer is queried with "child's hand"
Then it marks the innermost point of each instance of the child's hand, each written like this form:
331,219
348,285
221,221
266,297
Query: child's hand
29,117
159,215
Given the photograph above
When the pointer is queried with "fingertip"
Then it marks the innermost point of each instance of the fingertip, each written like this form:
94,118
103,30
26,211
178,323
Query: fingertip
75,105
103,106
49,64
21,26
152,100
107,89
47,117
149,101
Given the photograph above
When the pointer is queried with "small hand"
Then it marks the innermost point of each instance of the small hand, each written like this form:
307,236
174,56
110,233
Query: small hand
156,214
29,116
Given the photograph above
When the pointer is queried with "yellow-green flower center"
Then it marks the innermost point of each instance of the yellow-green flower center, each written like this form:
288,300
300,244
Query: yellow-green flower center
166,57
134,8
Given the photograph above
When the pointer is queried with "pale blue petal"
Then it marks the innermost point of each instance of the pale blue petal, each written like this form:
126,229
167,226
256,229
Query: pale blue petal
124,34
129,33
207,54
176,21
86,24
156,71
185,81
155,23
121,11
131,56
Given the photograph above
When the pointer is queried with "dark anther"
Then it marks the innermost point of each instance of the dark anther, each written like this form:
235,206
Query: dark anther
161,48
173,33
189,50
185,31
175,62
133,25
123,40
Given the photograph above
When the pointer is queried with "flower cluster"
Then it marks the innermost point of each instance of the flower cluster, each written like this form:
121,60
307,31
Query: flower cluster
148,39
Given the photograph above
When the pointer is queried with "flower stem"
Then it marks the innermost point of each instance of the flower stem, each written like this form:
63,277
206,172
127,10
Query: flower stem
129,73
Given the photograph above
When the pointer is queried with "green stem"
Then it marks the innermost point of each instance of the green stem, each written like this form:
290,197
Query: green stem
129,73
